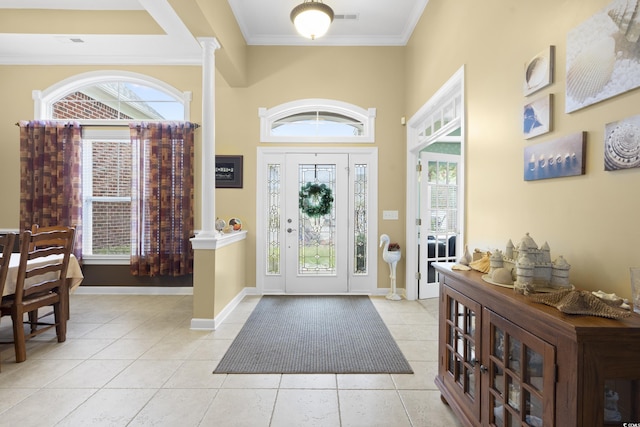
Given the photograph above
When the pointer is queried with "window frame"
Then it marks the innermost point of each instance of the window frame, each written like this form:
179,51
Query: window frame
88,136
43,110
310,106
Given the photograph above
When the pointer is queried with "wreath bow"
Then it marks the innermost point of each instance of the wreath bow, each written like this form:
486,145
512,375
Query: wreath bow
315,199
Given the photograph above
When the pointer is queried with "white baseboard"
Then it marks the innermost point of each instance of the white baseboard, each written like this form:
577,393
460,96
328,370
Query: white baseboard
203,324
134,290
212,324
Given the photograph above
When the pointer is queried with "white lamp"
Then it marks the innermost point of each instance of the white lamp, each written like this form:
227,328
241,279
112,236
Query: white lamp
312,18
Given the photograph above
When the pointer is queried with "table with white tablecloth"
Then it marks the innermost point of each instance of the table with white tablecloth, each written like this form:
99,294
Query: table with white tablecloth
74,272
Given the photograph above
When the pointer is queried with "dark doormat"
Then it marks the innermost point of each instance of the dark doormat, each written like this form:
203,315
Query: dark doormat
314,334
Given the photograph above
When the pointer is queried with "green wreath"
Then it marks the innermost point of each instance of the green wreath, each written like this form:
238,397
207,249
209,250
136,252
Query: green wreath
315,199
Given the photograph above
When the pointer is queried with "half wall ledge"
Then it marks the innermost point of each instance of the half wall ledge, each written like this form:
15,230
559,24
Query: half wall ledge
208,241
218,276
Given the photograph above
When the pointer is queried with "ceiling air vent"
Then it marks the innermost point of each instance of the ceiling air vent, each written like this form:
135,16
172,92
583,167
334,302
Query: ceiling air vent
346,16
67,39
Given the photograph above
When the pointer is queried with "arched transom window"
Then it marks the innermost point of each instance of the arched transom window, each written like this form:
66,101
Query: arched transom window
112,96
317,120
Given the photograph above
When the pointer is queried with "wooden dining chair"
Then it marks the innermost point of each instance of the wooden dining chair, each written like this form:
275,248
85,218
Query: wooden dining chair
41,282
35,228
6,242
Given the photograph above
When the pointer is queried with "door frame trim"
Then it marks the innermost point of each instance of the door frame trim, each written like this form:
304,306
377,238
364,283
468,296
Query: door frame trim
358,284
453,87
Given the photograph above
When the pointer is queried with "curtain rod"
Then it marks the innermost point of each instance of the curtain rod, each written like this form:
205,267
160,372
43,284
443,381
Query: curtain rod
195,125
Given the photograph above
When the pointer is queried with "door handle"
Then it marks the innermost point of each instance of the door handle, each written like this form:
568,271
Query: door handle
290,230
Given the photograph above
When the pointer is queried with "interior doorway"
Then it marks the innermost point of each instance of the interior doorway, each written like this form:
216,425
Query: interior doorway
435,186
316,220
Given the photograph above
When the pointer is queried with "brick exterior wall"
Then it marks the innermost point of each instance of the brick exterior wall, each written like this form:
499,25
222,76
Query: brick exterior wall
77,105
111,176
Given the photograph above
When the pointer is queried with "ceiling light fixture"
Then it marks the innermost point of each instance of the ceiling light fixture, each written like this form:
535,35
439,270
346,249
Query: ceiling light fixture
312,18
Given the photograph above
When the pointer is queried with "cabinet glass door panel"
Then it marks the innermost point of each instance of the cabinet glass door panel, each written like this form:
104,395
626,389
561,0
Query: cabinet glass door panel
451,338
461,347
471,352
471,322
534,369
498,379
621,401
498,344
533,409
521,374
497,412
513,398
514,355
514,421
470,383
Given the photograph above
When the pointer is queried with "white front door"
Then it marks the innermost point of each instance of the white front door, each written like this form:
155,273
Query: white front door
316,223
326,246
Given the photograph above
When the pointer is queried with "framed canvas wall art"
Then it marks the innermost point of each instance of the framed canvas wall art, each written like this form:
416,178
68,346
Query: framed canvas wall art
538,72
229,171
603,59
559,157
622,144
537,115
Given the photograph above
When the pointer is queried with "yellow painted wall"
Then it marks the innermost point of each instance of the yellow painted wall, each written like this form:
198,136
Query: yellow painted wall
219,277
230,275
368,77
204,284
17,84
591,220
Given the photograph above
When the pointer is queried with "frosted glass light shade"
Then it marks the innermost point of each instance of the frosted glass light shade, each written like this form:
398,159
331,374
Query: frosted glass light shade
312,19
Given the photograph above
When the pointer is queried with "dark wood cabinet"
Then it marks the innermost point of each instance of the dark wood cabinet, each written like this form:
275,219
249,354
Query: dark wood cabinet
506,361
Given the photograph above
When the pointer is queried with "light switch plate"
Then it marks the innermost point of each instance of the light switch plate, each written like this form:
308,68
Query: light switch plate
390,215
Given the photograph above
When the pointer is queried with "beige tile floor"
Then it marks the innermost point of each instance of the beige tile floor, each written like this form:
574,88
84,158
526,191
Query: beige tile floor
133,361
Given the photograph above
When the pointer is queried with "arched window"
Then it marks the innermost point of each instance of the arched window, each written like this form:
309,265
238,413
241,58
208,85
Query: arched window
109,98
317,120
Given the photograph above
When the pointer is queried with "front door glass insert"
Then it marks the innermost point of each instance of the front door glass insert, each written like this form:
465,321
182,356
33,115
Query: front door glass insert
317,234
361,225
273,219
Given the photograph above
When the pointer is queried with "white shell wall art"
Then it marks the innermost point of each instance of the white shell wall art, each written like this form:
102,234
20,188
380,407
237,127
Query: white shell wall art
538,72
622,144
624,14
591,70
603,56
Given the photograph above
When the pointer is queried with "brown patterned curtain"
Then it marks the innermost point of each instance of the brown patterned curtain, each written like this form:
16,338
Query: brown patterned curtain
50,176
162,199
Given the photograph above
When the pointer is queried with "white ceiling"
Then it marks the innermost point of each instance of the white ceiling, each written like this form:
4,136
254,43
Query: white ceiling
377,23
262,22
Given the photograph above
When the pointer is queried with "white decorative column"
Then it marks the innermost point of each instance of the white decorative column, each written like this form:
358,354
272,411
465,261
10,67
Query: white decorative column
218,259
208,192
205,242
